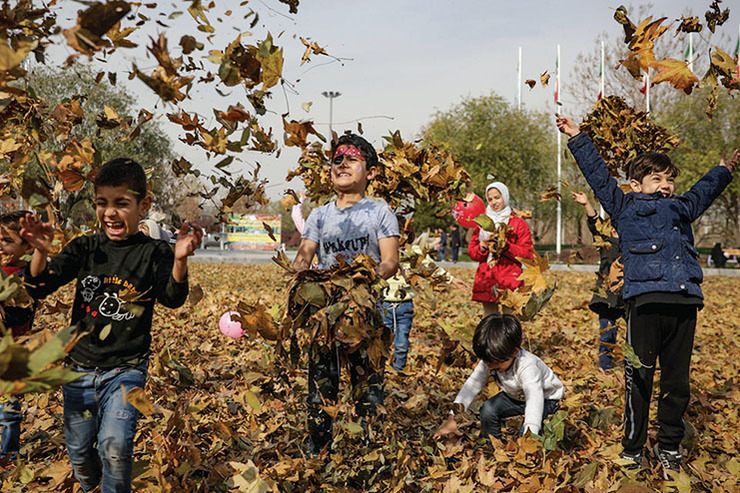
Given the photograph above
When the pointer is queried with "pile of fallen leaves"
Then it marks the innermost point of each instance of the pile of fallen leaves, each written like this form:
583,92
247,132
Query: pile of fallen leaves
407,174
223,415
621,133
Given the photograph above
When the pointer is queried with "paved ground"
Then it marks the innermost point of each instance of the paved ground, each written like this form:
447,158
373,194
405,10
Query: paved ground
213,255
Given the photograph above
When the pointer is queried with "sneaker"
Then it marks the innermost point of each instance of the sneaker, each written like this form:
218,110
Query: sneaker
635,459
670,460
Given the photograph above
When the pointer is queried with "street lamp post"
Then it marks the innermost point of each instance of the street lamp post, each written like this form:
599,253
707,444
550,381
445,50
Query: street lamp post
331,95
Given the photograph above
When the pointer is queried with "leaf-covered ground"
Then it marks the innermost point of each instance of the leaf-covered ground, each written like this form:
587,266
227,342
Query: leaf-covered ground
229,417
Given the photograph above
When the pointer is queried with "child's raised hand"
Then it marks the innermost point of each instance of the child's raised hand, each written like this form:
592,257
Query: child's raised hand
188,240
732,163
580,197
37,233
566,125
449,426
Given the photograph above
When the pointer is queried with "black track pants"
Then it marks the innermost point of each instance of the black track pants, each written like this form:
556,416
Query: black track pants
664,333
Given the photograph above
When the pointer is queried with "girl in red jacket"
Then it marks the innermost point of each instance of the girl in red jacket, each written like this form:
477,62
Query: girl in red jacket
491,281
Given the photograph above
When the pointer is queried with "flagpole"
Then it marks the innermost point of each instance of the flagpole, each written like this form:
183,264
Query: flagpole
519,81
602,73
559,233
691,52
647,90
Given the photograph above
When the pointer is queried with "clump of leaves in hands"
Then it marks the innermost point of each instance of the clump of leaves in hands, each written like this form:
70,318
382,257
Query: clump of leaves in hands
497,241
328,308
620,133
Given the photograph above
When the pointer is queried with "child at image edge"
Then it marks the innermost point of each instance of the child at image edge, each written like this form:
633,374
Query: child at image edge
18,321
662,283
348,226
528,386
99,424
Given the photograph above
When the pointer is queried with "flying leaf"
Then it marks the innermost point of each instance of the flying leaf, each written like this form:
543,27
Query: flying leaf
689,24
676,72
532,276
544,78
531,83
716,17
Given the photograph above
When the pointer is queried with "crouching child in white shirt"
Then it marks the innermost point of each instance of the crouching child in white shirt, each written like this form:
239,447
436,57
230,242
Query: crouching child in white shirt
528,386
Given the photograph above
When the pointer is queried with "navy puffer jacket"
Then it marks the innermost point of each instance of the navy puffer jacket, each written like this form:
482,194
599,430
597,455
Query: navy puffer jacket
655,233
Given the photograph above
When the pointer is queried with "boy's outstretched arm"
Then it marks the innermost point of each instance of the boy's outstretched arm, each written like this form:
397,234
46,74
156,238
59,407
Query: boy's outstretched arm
306,251
39,235
388,256
710,186
592,166
188,240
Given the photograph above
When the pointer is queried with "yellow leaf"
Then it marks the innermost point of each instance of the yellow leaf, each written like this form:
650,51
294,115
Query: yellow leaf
137,398
532,275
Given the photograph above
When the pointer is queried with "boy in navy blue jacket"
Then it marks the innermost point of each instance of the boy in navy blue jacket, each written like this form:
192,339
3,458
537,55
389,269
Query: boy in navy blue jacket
662,282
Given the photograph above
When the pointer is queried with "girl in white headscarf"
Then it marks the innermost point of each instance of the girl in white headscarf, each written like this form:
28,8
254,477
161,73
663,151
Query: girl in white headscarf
490,282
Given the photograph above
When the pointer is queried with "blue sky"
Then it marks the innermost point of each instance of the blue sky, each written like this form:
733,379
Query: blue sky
402,60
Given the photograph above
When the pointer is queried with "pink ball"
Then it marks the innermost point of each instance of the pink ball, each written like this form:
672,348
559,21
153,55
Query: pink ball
229,328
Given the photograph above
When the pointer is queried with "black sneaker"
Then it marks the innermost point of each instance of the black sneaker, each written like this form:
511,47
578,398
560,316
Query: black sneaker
635,459
670,460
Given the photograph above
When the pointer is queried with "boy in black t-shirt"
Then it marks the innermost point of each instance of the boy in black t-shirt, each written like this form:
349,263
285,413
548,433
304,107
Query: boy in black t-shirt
120,273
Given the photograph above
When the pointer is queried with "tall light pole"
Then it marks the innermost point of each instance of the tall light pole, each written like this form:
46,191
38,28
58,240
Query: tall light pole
331,95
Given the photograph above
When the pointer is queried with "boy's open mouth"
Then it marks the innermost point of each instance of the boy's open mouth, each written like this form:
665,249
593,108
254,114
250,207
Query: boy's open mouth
115,227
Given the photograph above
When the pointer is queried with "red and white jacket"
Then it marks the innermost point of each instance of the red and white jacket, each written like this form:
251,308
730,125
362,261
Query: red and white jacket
507,269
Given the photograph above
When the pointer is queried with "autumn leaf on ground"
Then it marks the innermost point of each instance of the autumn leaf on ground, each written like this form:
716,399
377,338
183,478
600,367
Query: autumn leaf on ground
532,276
544,78
676,72
531,83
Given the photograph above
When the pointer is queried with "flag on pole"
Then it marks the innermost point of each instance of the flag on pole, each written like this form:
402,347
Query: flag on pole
644,87
737,52
557,77
689,55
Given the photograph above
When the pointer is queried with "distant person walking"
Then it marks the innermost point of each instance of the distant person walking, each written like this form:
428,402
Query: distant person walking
455,242
442,244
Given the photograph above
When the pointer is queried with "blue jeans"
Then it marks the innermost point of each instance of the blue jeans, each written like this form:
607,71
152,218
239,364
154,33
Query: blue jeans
398,316
501,406
441,253
99,426
10,421
607,336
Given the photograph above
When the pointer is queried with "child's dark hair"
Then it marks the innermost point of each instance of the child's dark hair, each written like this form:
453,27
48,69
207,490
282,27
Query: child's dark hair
12,220
651,162
123,171
497,338
367,150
